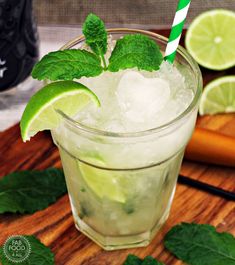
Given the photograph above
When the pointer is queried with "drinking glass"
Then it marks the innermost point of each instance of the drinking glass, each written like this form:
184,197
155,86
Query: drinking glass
121,185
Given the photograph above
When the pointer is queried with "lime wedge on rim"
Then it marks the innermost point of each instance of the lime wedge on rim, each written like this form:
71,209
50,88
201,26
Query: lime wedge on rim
210,39
218,96
104,183
40,113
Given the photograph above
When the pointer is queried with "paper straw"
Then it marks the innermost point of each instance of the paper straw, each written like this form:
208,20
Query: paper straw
176,30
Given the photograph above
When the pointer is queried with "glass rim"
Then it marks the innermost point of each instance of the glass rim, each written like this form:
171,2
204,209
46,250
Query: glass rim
180,50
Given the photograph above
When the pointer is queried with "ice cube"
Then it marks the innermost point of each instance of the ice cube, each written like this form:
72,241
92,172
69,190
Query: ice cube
141,98
170,73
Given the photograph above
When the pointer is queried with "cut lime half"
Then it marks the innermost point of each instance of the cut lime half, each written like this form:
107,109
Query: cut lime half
218,96
210,39
40,113
103,182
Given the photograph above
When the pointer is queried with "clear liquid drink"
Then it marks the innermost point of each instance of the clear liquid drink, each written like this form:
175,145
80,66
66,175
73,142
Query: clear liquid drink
121,162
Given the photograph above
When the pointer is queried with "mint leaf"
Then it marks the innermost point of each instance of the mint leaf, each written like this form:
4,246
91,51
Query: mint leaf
132,260
200,244
67,65
95,34
40,254
129,206
150,261
135,51
30,191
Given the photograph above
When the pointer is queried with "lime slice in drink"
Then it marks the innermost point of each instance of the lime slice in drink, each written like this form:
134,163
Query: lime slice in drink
210,39
104,183
218,96
40,113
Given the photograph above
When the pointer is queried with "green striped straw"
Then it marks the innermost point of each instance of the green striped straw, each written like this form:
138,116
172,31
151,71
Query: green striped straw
176,30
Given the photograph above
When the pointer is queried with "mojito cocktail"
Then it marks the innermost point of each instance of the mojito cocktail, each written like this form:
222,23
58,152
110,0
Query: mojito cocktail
121,161
121,117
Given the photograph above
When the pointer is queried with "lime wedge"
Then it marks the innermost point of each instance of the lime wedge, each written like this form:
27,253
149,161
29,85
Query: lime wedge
104,183
210,39
218,96
40,113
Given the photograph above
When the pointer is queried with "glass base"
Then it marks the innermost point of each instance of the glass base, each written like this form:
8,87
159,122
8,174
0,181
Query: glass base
122,242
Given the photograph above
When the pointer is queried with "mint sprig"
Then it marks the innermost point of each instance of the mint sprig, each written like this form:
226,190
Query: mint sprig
30,191
200,244
96,35
135,50
39,255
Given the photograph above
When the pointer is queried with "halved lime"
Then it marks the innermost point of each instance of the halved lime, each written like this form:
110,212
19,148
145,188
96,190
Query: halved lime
40,113
104,183
210,39
218,96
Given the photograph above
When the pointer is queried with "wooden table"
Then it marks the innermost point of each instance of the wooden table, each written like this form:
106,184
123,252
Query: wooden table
54,226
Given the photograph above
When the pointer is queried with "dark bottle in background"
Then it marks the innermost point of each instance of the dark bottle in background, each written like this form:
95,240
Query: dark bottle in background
18,42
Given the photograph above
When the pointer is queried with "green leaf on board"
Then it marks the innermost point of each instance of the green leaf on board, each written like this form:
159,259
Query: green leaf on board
30,191
134,260
150,261
39,254
200,244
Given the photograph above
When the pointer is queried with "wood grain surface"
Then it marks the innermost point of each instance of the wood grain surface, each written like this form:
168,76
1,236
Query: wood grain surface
54,226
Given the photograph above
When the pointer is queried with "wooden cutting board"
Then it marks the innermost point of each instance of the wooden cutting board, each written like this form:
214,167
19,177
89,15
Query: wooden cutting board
54,226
